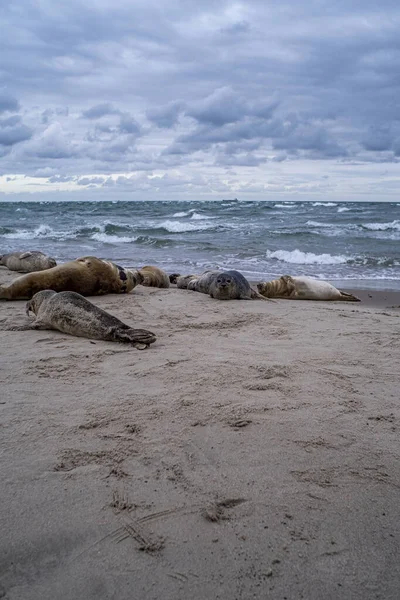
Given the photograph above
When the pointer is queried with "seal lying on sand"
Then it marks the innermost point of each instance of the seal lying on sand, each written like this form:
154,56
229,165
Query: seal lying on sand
303,288
154,277
224,285
71,313
89,276
27,262
182,281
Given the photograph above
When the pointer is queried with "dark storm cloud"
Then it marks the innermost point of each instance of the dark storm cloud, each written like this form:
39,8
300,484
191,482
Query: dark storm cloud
100,88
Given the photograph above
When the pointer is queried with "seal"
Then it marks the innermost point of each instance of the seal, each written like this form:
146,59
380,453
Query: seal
89,276
173,277
27,262
225,285
303,288
73,314
154,277
183,281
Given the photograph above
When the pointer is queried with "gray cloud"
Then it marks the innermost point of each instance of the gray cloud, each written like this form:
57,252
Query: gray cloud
201,87
13,131
91,181
8,103
100,110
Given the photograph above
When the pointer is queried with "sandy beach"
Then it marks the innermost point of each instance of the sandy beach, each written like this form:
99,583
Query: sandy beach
251,452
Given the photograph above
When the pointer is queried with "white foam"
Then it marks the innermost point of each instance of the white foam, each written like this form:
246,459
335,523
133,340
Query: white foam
284,206
175,227
343,209
394,225
318,224
20,234
40,232
112,239
199,217
298,257
43,231
324,204
180,214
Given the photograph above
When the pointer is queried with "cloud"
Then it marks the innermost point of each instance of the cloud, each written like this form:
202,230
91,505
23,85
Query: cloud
53,143
205,87
91,181
100,110
8,103
13,131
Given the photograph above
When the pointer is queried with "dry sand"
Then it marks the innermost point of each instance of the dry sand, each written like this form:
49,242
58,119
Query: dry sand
251,452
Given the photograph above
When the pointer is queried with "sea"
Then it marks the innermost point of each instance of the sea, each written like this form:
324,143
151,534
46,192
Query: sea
349,244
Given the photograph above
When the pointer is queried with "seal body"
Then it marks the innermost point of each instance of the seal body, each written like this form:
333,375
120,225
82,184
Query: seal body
303,288
89,276
154,277
73,314
225,285
183,281
27,262
201,283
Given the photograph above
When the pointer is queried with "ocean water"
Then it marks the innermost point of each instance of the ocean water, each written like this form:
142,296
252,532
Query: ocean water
353,243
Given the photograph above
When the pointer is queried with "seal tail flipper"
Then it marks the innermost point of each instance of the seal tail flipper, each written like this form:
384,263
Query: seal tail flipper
257,296
349,297
135,336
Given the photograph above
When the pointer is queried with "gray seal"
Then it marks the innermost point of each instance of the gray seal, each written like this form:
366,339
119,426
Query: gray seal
183,281
73,314
27,262
225,285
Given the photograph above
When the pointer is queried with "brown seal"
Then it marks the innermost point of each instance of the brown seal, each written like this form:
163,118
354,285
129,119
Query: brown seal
27,262
303,288
73,314
89,276
154,277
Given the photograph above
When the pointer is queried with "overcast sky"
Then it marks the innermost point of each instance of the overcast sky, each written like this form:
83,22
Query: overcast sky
161,99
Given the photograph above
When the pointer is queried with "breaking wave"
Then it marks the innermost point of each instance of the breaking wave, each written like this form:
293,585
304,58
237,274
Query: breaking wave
393,226
298,257
176,227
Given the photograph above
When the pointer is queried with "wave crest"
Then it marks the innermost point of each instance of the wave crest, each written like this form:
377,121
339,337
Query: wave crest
297,257
393,226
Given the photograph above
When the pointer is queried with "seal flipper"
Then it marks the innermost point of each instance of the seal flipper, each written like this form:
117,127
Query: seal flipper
37,324
348,297
133,336
257,296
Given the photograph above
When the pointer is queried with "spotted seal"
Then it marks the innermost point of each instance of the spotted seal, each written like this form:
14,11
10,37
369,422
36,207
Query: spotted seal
89,276
225,285
303,288
27,262
182,281
73,314
154,277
